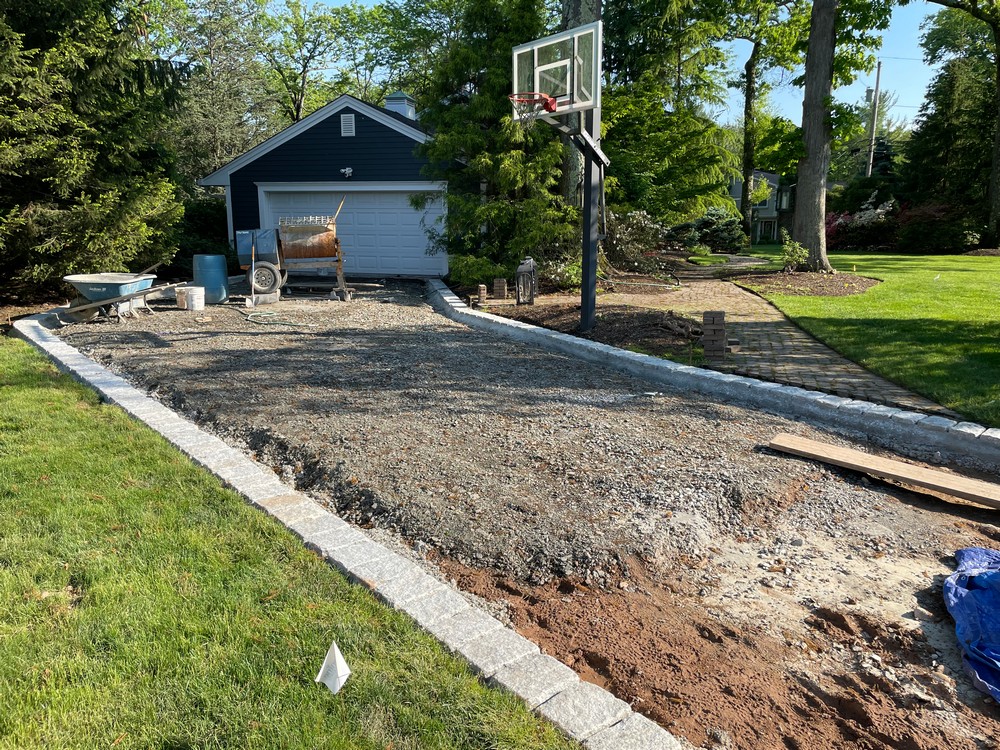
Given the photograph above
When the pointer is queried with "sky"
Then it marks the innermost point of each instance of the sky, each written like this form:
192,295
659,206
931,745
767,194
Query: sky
904,72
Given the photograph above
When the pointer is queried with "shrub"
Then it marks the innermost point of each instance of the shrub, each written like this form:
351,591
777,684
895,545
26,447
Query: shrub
562,274
935,228
871,228
717,229
471,271
793,254
633,241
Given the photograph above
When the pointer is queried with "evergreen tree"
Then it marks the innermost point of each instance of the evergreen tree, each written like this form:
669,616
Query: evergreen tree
662,71
946,161
84,183
503,200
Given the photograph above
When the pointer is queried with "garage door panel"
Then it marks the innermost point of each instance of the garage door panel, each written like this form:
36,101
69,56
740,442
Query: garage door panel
381,232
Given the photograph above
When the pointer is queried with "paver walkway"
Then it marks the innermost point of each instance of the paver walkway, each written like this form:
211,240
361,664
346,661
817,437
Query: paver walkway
773,348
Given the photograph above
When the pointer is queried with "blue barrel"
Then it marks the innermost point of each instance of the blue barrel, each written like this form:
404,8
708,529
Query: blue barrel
210,272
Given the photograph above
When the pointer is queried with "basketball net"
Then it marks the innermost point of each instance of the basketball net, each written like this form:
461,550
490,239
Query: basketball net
531,105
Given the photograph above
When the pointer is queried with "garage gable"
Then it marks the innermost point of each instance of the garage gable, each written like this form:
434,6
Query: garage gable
347,148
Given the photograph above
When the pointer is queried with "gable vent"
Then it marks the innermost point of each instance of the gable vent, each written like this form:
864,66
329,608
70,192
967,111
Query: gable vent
347,125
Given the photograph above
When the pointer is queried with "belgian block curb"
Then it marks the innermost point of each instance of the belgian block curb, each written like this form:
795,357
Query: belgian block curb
911,433
501,656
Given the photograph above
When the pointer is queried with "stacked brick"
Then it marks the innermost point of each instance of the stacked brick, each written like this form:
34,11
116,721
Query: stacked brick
713,338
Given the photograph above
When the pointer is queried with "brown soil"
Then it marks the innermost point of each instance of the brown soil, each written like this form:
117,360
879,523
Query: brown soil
651,331
653,645
988,251
811,284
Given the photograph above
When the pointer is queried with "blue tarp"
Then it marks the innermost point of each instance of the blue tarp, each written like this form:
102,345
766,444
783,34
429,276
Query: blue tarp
972,595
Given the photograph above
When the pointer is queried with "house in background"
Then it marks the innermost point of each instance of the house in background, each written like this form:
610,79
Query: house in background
353,149
770,215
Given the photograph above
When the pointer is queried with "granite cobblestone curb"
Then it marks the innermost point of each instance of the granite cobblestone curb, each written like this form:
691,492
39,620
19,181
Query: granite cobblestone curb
911,433
502,657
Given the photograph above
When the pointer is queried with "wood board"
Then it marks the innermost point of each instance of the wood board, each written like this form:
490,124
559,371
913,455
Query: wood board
973,490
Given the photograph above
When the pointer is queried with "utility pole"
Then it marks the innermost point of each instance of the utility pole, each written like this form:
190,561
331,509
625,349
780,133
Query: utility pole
874,121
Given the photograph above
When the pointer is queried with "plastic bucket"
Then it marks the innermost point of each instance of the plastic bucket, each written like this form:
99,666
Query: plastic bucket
195,298
181,293
210,273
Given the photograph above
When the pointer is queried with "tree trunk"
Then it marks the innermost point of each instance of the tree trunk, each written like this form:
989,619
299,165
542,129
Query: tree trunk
993,223
749,136
810,193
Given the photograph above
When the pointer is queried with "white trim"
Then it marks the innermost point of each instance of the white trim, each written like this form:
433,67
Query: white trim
229,218
263,188
221,176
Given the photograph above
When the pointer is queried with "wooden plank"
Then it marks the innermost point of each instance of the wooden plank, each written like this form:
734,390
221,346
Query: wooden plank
984,493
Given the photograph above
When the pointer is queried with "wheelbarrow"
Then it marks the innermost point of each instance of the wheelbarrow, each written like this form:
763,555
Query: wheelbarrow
105,293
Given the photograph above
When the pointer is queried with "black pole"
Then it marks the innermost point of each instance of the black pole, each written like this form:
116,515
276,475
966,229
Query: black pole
591,211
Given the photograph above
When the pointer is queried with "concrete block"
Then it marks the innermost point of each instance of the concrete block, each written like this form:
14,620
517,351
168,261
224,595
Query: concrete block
381,570
444,602
295,515
991,437
633,733
350,557
315,524
466,625
411,586
906,417
881,410
535,678
835,402
937,424
493,650
584,710
329,543
971,429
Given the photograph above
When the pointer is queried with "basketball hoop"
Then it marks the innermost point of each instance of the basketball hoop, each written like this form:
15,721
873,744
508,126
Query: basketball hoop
530,105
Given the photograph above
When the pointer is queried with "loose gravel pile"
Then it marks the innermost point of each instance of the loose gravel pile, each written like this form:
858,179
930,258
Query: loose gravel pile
538,467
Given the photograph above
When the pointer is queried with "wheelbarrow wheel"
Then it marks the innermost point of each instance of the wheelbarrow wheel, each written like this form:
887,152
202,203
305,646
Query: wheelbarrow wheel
265,279
81,316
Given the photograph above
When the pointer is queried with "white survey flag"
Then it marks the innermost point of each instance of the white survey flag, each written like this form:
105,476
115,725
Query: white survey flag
334,672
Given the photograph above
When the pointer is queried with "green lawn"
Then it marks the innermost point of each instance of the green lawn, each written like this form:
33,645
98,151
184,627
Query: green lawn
144,606
933,325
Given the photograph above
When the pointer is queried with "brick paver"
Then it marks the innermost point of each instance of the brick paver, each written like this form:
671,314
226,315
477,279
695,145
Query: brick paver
775,349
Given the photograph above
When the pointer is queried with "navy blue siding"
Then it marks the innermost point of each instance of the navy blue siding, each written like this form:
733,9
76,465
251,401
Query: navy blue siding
375,153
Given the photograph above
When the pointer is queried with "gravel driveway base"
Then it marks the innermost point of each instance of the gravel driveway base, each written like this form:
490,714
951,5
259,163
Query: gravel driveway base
570,487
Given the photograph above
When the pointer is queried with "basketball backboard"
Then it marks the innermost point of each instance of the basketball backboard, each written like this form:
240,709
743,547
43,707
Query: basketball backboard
566,66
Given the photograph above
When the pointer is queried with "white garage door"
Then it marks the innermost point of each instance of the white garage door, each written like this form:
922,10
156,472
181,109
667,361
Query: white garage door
380,232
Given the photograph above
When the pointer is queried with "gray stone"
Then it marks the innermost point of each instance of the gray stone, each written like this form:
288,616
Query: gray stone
908,417
939,424
835,402
584,710
535,678
411,585
329,543
351,557
633,733
314,525
454,632
442,603
491,651
381,570
991,437
969,428
882,410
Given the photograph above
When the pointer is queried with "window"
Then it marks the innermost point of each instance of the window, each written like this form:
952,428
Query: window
346,125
